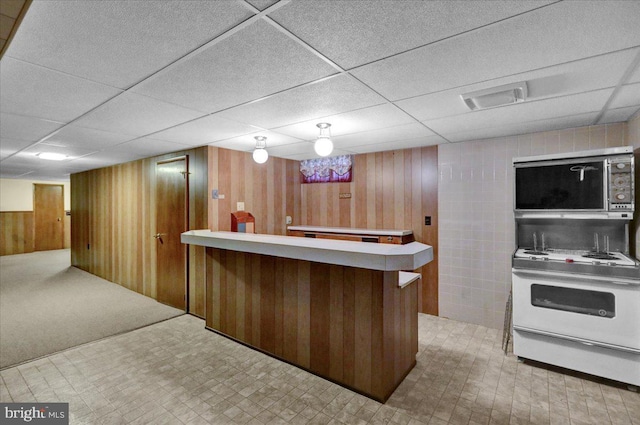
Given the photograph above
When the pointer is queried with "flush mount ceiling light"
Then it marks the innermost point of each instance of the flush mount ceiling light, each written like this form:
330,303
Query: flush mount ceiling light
323,145
51,156
496,96
260,154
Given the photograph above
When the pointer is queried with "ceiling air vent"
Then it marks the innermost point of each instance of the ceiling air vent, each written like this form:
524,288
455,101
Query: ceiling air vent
496,96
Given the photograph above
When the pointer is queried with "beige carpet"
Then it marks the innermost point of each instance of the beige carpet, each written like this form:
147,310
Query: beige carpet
47,306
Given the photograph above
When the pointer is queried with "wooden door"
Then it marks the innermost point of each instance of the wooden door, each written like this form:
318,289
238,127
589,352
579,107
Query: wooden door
171,221
48,210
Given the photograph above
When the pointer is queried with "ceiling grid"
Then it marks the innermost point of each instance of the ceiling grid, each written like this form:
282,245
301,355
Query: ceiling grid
109,82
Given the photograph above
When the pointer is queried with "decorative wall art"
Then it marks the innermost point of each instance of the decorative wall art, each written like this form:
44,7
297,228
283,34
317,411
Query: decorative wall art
336,169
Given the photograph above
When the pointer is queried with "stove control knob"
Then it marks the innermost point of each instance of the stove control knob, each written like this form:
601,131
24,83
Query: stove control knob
620,165
621,196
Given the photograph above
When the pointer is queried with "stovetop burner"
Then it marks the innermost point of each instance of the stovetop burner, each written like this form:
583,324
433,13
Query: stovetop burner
601,256
575,256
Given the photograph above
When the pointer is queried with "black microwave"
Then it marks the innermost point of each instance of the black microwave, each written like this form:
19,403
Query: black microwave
596,183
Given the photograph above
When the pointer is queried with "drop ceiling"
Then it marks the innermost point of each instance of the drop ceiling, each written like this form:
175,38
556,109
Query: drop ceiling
107,82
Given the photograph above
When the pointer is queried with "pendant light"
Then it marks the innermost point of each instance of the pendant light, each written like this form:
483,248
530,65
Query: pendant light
323,145
260,154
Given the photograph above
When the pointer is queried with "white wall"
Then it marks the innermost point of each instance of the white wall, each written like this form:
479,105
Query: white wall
17,195
476,224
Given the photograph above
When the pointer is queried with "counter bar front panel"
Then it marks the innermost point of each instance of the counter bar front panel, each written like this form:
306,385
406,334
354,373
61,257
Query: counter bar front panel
351,325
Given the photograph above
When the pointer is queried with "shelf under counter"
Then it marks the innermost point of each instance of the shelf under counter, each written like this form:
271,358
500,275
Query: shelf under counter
339,309
387,236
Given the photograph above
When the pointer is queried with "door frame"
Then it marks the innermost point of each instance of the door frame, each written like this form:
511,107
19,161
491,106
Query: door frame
186,219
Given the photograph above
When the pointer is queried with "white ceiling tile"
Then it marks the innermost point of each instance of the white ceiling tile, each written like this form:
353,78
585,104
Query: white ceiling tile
106,158
67,53
618,115
25,128
137,115
328,97
9,146
147,147
399,144
30,162
88,138
39,92
247,142
32,152
629,95
118,42
254,62
544,37
385,135
300,148
261,4
371,118
556,123
635,77
50,174
14,171
205,130
570,78
521,112
302,151
65,168
355,32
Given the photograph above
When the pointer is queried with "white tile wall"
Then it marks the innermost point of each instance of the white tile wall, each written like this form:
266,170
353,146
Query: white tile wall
476,225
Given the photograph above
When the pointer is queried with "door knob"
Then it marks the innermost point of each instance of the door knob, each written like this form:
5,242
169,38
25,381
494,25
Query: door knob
159,235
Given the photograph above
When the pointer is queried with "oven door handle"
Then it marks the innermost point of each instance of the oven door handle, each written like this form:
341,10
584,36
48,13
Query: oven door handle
578,340
541,274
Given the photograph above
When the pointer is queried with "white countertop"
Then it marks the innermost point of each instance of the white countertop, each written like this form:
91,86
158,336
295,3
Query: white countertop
351,230
386,257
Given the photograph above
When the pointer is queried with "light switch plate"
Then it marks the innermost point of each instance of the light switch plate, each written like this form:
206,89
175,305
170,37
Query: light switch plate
240,206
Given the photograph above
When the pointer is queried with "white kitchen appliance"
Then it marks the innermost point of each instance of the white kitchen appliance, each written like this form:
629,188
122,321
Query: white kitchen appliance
576,289
590,184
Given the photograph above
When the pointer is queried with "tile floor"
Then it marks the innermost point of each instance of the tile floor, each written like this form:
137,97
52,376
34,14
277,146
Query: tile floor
177,372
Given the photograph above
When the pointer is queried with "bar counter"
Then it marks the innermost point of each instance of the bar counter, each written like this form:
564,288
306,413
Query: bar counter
332,307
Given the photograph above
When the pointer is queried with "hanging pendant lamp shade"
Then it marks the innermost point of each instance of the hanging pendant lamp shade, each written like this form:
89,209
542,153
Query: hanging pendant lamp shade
323,145
260,154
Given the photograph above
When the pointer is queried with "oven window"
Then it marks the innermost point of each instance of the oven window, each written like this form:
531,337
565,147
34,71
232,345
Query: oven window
582,301
574,186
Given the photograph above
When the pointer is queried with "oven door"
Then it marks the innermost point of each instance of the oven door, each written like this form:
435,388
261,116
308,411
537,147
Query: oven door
583,307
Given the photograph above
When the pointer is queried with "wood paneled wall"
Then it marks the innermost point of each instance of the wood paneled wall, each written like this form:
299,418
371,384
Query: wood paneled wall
16,232
390,190
114,214
270,191
67,231
351,325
